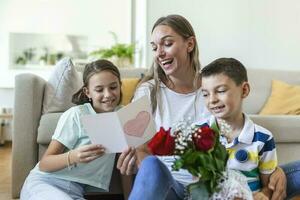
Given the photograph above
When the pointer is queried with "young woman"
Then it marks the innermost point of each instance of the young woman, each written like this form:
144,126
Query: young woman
173,86
71,162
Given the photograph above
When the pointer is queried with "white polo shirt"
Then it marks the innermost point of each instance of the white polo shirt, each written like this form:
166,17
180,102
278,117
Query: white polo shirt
253,152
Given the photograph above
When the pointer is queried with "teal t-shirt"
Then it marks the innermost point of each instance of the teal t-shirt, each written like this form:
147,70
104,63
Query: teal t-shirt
70,133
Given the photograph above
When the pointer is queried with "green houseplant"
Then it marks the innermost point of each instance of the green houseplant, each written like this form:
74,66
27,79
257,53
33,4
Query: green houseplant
121,54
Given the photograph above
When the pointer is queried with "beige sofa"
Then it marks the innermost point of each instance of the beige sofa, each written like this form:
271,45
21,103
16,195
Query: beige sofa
33,131
285,128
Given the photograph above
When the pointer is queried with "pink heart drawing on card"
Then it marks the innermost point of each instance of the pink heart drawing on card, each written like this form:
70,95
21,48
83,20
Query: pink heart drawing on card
137,126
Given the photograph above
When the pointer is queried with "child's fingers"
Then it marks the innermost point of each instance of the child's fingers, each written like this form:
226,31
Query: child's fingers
90,158
82,155
91,147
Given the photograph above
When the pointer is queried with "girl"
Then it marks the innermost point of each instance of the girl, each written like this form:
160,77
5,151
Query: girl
71,161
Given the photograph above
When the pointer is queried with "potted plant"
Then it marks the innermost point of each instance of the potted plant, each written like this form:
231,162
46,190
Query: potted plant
120,54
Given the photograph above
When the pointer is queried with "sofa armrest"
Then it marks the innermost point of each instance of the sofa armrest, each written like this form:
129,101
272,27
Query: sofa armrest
28,99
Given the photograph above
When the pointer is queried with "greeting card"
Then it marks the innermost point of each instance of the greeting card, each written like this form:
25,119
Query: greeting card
132,125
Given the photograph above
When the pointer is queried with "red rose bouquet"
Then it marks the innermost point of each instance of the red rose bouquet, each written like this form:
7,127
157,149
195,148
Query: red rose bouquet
162,144
197,149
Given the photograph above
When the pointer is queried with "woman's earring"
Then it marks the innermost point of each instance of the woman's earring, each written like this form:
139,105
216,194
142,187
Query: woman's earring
90,100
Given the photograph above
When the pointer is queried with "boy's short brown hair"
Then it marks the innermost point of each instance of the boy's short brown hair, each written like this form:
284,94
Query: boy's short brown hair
230,67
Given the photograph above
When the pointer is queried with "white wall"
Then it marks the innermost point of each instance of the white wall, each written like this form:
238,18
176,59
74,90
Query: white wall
93,18
139,30
260,33
6,97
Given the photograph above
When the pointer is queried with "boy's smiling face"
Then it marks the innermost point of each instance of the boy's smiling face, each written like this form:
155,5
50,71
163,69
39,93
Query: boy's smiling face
223,97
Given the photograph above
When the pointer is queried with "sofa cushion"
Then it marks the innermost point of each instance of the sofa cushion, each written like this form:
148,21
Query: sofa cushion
62,84
128,89
284,99
261,85
47,127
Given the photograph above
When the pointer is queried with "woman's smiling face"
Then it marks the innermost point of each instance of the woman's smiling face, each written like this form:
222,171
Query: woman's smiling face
171,50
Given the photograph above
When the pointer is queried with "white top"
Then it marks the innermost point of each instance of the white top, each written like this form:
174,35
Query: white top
175,107
70,133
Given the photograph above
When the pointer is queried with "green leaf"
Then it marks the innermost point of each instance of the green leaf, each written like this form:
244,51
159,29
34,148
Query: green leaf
205,173
220,164
119,50
178,164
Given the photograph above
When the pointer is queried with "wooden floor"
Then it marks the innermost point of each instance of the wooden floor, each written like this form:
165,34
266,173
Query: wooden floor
5,171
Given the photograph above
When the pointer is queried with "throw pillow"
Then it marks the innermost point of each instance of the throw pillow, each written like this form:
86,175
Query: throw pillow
284,99
128,89
62,84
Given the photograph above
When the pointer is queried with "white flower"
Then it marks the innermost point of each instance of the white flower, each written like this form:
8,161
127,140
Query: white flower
225,128
183,132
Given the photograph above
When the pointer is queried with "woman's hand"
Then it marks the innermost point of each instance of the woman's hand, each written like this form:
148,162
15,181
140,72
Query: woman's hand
278,184
86,153
127,162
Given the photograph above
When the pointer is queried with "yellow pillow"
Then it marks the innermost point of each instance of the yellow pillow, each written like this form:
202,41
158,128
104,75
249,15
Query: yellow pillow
128,89
284,99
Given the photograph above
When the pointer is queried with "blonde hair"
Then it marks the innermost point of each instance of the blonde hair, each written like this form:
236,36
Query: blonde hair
182,27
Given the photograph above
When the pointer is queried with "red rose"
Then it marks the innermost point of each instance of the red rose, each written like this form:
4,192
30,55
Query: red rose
162,143
204,139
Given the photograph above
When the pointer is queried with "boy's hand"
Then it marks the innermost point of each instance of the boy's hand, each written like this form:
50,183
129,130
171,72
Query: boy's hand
278,184
260,196
86,153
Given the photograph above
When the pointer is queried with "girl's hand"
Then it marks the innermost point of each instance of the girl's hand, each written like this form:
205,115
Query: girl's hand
260,196
86,153
127,162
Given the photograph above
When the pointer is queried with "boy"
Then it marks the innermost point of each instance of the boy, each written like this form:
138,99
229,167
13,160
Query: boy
251,147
